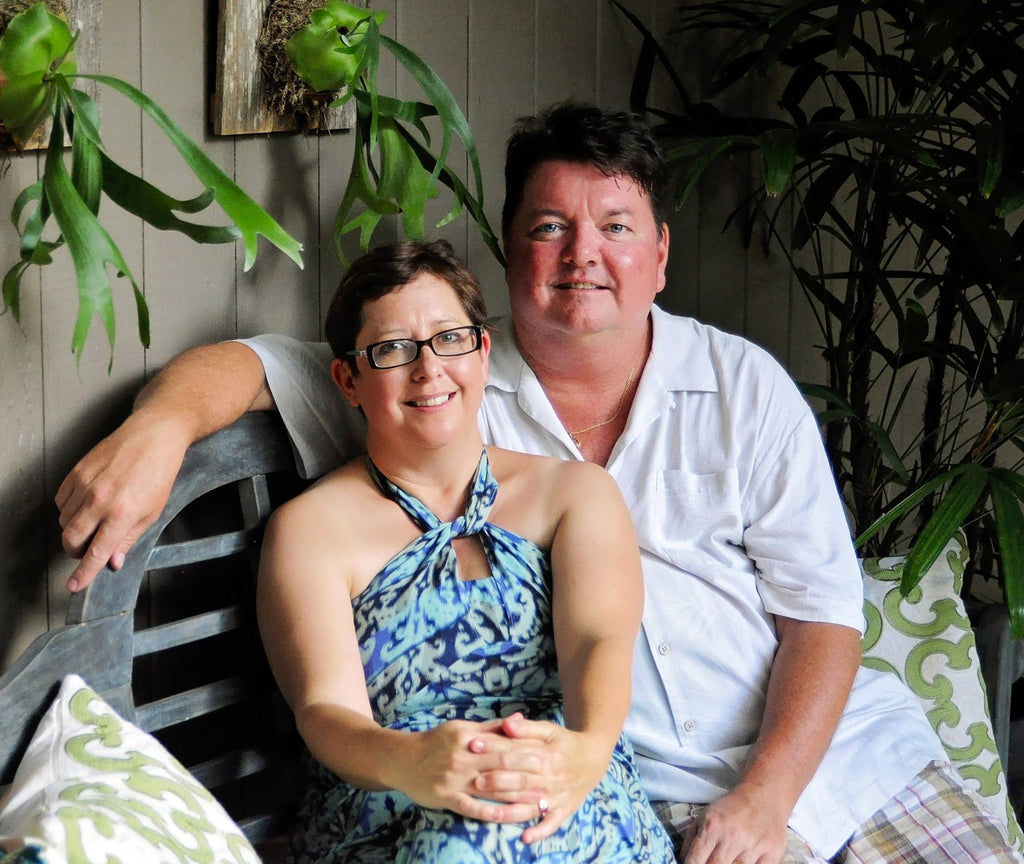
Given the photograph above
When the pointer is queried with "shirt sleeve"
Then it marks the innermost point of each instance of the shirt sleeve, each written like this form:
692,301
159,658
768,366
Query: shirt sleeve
325,430
796,529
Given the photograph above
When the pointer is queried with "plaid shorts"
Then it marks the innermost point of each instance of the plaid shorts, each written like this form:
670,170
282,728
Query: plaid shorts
934,820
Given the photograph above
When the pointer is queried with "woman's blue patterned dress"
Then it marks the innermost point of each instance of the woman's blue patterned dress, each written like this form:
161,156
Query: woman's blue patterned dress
437,648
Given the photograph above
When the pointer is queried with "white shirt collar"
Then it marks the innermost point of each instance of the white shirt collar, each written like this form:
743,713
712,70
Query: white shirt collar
678,366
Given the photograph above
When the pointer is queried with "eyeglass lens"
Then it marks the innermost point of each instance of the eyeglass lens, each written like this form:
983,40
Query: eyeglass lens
447,343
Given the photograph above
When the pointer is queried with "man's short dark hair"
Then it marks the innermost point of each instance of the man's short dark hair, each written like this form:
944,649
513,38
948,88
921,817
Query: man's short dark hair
614,142
388,268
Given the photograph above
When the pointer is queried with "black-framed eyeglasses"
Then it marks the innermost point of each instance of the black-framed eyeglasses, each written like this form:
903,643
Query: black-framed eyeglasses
401,352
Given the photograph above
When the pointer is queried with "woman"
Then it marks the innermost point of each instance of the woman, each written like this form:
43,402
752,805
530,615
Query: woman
482,585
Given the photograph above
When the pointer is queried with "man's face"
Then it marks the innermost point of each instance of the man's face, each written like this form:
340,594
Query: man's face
585,254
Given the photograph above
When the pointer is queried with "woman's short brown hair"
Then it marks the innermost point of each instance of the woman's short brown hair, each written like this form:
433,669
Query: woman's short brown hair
386,269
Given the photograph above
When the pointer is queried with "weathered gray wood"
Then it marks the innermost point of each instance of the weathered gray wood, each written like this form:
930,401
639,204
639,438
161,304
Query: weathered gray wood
98,642
230,766
265,827
253,445
178,633
190,551
193,703
99,651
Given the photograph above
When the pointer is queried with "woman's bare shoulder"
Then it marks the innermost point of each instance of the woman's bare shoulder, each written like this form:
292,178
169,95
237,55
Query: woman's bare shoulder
552,472
535,492
330,505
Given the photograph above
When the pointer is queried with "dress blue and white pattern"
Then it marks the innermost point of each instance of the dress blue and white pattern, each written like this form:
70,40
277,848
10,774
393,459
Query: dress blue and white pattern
437,648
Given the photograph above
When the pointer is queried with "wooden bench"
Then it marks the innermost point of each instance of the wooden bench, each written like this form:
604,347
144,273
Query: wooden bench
170,639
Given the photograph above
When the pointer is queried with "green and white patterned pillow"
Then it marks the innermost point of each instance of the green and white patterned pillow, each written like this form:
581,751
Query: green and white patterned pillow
926,639
93,787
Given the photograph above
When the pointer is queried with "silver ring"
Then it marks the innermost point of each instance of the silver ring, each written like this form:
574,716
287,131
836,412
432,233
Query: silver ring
542,805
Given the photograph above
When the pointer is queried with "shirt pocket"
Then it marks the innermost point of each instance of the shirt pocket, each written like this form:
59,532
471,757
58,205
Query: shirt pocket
698,512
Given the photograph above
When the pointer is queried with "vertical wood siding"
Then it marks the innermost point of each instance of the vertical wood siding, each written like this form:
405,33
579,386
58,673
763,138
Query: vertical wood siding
501,60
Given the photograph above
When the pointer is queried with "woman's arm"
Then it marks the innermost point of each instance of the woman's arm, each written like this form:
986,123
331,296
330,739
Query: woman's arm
598,603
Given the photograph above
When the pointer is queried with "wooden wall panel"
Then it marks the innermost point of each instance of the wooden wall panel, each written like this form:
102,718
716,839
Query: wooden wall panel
281,172
23,511
193,303
501,60
83,403
502,67
566,56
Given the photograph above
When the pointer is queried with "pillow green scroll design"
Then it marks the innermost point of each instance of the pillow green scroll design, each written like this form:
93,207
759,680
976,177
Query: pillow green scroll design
93,788
169,809
926,640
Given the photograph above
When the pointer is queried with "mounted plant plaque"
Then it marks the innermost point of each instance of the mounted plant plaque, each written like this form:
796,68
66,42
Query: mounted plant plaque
83,17
256,90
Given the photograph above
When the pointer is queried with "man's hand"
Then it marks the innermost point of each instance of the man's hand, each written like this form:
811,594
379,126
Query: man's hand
545,758
810,682
120,487
736,828
116,491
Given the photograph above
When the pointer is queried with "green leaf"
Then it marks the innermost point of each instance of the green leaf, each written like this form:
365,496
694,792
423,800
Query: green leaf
463,197
86,170
90,246
12,288
778,155
401,109
452,118
86,114
251,219
955,506
1010,533
32,231
991,147
322,60
403,180
909,503
406,174
361,187
333,50
826,394
33,41
35,44
887,450
144,200
707,152
25,104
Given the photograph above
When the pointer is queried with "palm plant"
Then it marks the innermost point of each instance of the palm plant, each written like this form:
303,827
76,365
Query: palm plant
892,179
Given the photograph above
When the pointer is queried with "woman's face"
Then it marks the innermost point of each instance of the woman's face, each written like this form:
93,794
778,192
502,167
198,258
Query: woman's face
431,400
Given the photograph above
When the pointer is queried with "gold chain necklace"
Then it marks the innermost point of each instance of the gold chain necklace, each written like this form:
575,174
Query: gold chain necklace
618,408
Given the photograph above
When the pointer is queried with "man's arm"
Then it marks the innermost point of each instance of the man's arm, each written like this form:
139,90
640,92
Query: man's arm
809,685
120,487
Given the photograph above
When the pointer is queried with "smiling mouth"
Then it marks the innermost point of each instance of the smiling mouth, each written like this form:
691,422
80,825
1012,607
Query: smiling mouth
578,286
430,403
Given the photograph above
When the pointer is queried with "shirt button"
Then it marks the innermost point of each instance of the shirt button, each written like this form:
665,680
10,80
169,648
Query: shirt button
690,725
664,648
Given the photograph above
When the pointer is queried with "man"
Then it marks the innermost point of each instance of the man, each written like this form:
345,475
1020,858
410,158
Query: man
747,692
